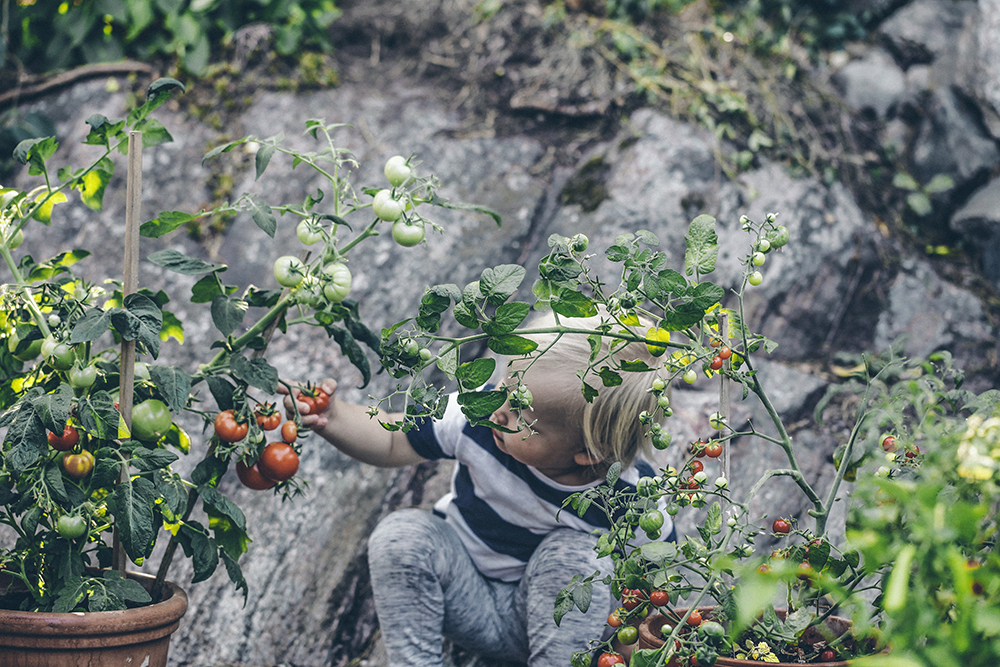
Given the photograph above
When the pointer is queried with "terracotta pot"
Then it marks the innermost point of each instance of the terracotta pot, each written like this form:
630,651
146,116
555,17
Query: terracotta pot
134,637
650,637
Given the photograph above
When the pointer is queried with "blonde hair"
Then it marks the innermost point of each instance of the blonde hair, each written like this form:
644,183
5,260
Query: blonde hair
609,424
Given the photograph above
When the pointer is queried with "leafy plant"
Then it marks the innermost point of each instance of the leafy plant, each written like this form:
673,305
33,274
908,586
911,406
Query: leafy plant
52,34
815,572
88,451
919,197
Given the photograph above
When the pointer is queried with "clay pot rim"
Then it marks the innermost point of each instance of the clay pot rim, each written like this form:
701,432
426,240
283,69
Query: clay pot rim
167,611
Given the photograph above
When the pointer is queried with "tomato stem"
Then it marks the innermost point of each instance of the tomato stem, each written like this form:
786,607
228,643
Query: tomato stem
271,316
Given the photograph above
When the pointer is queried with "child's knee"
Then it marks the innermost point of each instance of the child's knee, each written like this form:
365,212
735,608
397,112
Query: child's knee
565,550
403,535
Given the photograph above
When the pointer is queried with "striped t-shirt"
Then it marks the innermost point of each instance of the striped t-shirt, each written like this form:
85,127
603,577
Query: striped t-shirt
502,508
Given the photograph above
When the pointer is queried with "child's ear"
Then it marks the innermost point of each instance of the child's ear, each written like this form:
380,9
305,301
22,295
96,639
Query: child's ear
585,458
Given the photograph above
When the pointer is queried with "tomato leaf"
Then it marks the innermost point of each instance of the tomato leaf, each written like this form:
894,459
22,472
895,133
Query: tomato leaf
54,481
200,548
255,372
609,377
511,345
466,316
153,133
165,223
145,460
140,320
475,373
480,404
564,603
235,573
103,130
178,262
224,148
99,416
131,504
25,440
125,588
262,216
705,295
507,317
350,348
222,391
613,472
263,158
173,384
702,246
500,283
93,183
53,408
34,153
582,595
227,313
681,317
435,301
208,472
570,303
447,362
437,200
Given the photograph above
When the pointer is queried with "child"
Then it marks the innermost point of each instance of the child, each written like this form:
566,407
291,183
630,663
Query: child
484,568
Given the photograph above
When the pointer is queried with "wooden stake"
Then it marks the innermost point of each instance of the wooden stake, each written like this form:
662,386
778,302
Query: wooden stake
130,284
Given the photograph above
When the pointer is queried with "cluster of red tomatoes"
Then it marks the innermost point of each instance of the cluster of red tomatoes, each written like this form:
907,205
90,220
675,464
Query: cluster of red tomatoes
279,461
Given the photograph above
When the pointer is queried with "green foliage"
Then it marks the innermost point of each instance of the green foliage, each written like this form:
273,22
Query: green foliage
51,34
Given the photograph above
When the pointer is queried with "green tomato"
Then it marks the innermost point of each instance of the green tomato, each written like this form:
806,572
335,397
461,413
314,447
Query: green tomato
27,353
48,345
715,421
386,208
755,278
778,236
289,271
659,384
397,172
764,245
63,357
628,634
663,401
151,420
521,398
81,378
407,234
758,259
651,521
338,283
309,231
71,527
690,376
579,243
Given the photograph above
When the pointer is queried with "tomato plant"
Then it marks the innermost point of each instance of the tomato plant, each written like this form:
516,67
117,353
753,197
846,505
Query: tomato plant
278,461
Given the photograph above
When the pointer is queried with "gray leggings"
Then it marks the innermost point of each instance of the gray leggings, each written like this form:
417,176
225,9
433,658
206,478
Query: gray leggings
426,587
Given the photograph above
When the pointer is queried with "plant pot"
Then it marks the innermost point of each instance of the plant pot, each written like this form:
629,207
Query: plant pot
650,637
133,637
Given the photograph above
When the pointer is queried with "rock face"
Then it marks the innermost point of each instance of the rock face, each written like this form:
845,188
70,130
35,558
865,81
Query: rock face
841,285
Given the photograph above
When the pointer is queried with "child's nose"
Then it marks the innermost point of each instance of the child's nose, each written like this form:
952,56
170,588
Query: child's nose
501,416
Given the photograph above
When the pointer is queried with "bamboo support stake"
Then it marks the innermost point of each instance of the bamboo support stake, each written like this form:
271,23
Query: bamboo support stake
130,284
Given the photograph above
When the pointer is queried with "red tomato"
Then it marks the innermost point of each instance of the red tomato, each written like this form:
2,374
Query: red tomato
252,478
278,461
716,363
65,442
614,620
610,660
632,598
316,400
713,450
659,598
268,418
289,432
781,526
696,467
228,429
694,618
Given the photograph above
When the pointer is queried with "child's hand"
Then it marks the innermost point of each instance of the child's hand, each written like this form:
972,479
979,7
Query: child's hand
315,414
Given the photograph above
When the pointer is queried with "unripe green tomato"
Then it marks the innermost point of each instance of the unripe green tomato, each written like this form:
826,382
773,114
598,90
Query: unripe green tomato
659,384
151,420
81,378
579,243
701,477
339,281
662,440
54,320
397,172
408,234
758,259
715,421
71,527
28,353
721,483
663,401
63,357
673,509
668,412
763,245
778,236
411,348
386,208
48,345
309,231
744,222
755,278
289,271
651,521
521,398
425,354
690,376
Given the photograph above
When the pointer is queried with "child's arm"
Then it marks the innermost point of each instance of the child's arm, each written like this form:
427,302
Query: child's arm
350,429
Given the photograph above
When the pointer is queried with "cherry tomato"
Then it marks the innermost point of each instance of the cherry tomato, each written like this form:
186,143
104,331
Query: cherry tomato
396,171
62,357
657,334
267,417
386,208
579,243
278,461
755,278
338,282
764,245
30,350
659,598
716,363
651,521
694,618
610,660
805,571
79,465
781,526
889,443
696,466
71,527
289,271
628,634
912,452
228,429
827,656
778,236
65,442
81,378
151,420
289,432
316,401
632,598
758,259
713,450
251,478
309,231
690,376
614,620
725,352
408,234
